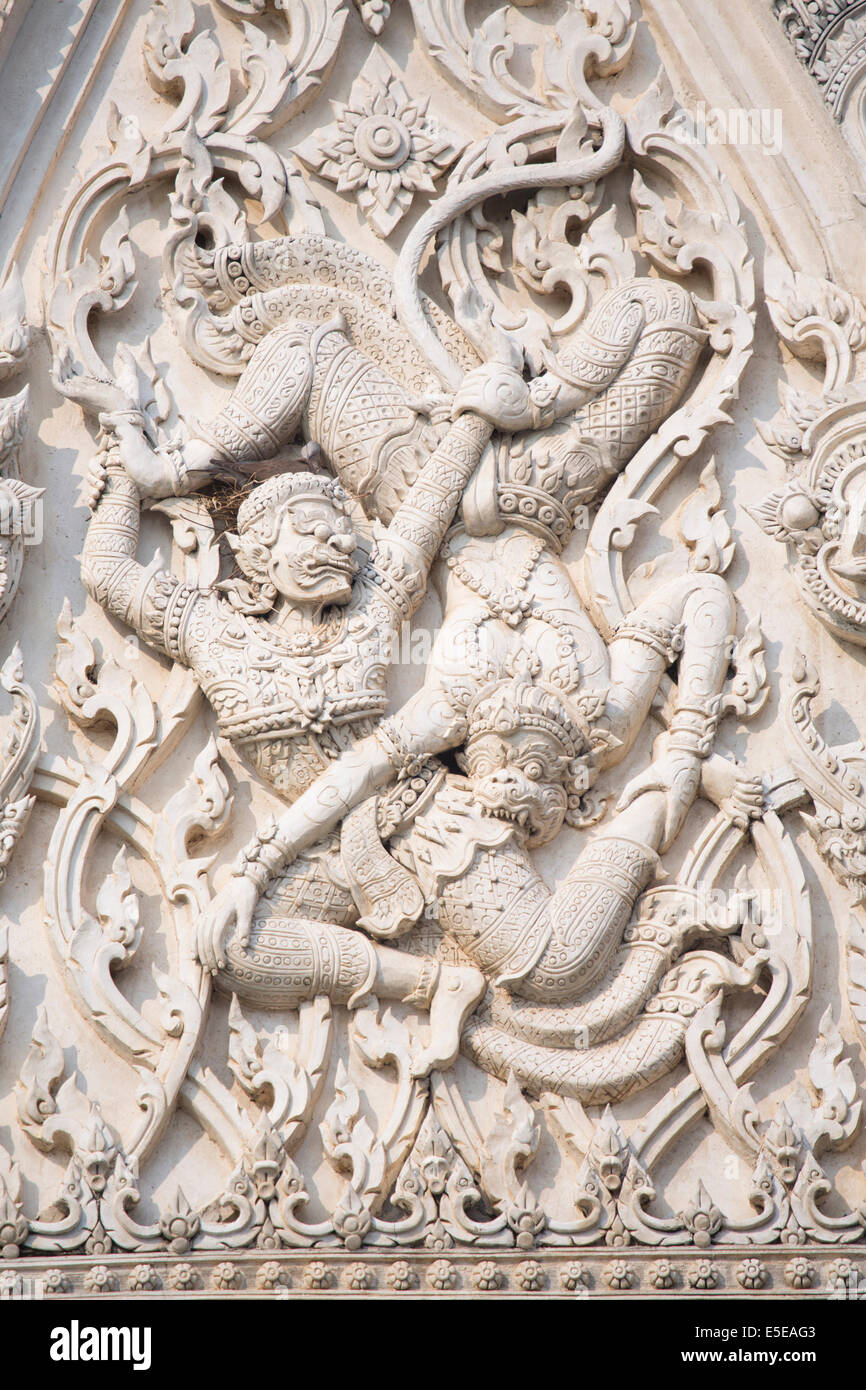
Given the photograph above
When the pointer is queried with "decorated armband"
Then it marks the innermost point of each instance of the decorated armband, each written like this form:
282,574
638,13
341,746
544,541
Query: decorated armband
693,727
263,858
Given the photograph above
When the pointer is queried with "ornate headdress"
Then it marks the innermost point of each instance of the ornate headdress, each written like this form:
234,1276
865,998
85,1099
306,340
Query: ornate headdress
514,703
518,702
250,544
277,491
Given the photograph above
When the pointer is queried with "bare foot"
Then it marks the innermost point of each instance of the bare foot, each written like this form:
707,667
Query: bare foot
458,991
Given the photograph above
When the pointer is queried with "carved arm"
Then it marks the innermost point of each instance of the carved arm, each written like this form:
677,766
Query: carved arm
427,724
409,545
109,569
165,472
140,596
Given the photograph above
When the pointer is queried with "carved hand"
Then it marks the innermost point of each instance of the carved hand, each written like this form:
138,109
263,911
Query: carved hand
94,396
674,772
233,906
498,394
732,789
153,473
96,475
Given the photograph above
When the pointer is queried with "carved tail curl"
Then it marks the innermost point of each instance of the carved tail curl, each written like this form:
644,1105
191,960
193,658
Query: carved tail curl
646,1051
649,948
248,289
560,174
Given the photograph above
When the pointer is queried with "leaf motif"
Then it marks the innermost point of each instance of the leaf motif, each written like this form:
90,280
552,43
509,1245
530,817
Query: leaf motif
703,527
201,807
106,285
623,519
14,328
40,1075
268,76
198,67
244,1056
117,908
657,233
834,1119
748,690
52,1115
74,663
816,319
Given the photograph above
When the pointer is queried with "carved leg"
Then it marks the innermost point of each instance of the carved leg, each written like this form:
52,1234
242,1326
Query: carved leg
706,606
259,420
458,989
652,942
291,959
693,615
311,380
592,908
264,411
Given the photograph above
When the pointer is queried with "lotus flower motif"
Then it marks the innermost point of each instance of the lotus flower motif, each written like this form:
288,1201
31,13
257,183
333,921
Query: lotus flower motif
382,146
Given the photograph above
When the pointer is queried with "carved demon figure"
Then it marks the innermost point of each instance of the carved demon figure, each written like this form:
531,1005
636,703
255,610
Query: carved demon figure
293,655
821,513
570,985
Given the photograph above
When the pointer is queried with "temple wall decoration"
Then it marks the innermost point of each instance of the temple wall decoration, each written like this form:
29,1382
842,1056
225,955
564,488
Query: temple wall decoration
432,616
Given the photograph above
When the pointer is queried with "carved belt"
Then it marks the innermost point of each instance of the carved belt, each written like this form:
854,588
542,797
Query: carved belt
290,720
386,894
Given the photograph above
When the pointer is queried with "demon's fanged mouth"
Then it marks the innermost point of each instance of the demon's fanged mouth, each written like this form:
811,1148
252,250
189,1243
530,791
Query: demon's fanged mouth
517,808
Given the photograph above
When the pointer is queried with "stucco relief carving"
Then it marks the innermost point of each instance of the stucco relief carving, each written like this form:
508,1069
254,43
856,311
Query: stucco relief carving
818,432
828,38
366,955
382,146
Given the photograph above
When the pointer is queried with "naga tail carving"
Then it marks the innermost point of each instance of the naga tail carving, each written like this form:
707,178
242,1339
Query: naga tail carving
646,336
647,1050
650,946
253,288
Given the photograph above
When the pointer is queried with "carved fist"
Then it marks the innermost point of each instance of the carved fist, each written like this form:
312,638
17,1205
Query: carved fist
498,394
96,475
93,395
735,791
233,906
152,471
677,774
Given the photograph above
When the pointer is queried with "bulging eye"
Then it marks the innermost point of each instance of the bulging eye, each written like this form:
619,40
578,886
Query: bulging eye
322,531
534,770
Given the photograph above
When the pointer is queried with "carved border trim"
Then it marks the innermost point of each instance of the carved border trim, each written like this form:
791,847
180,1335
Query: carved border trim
793,1272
